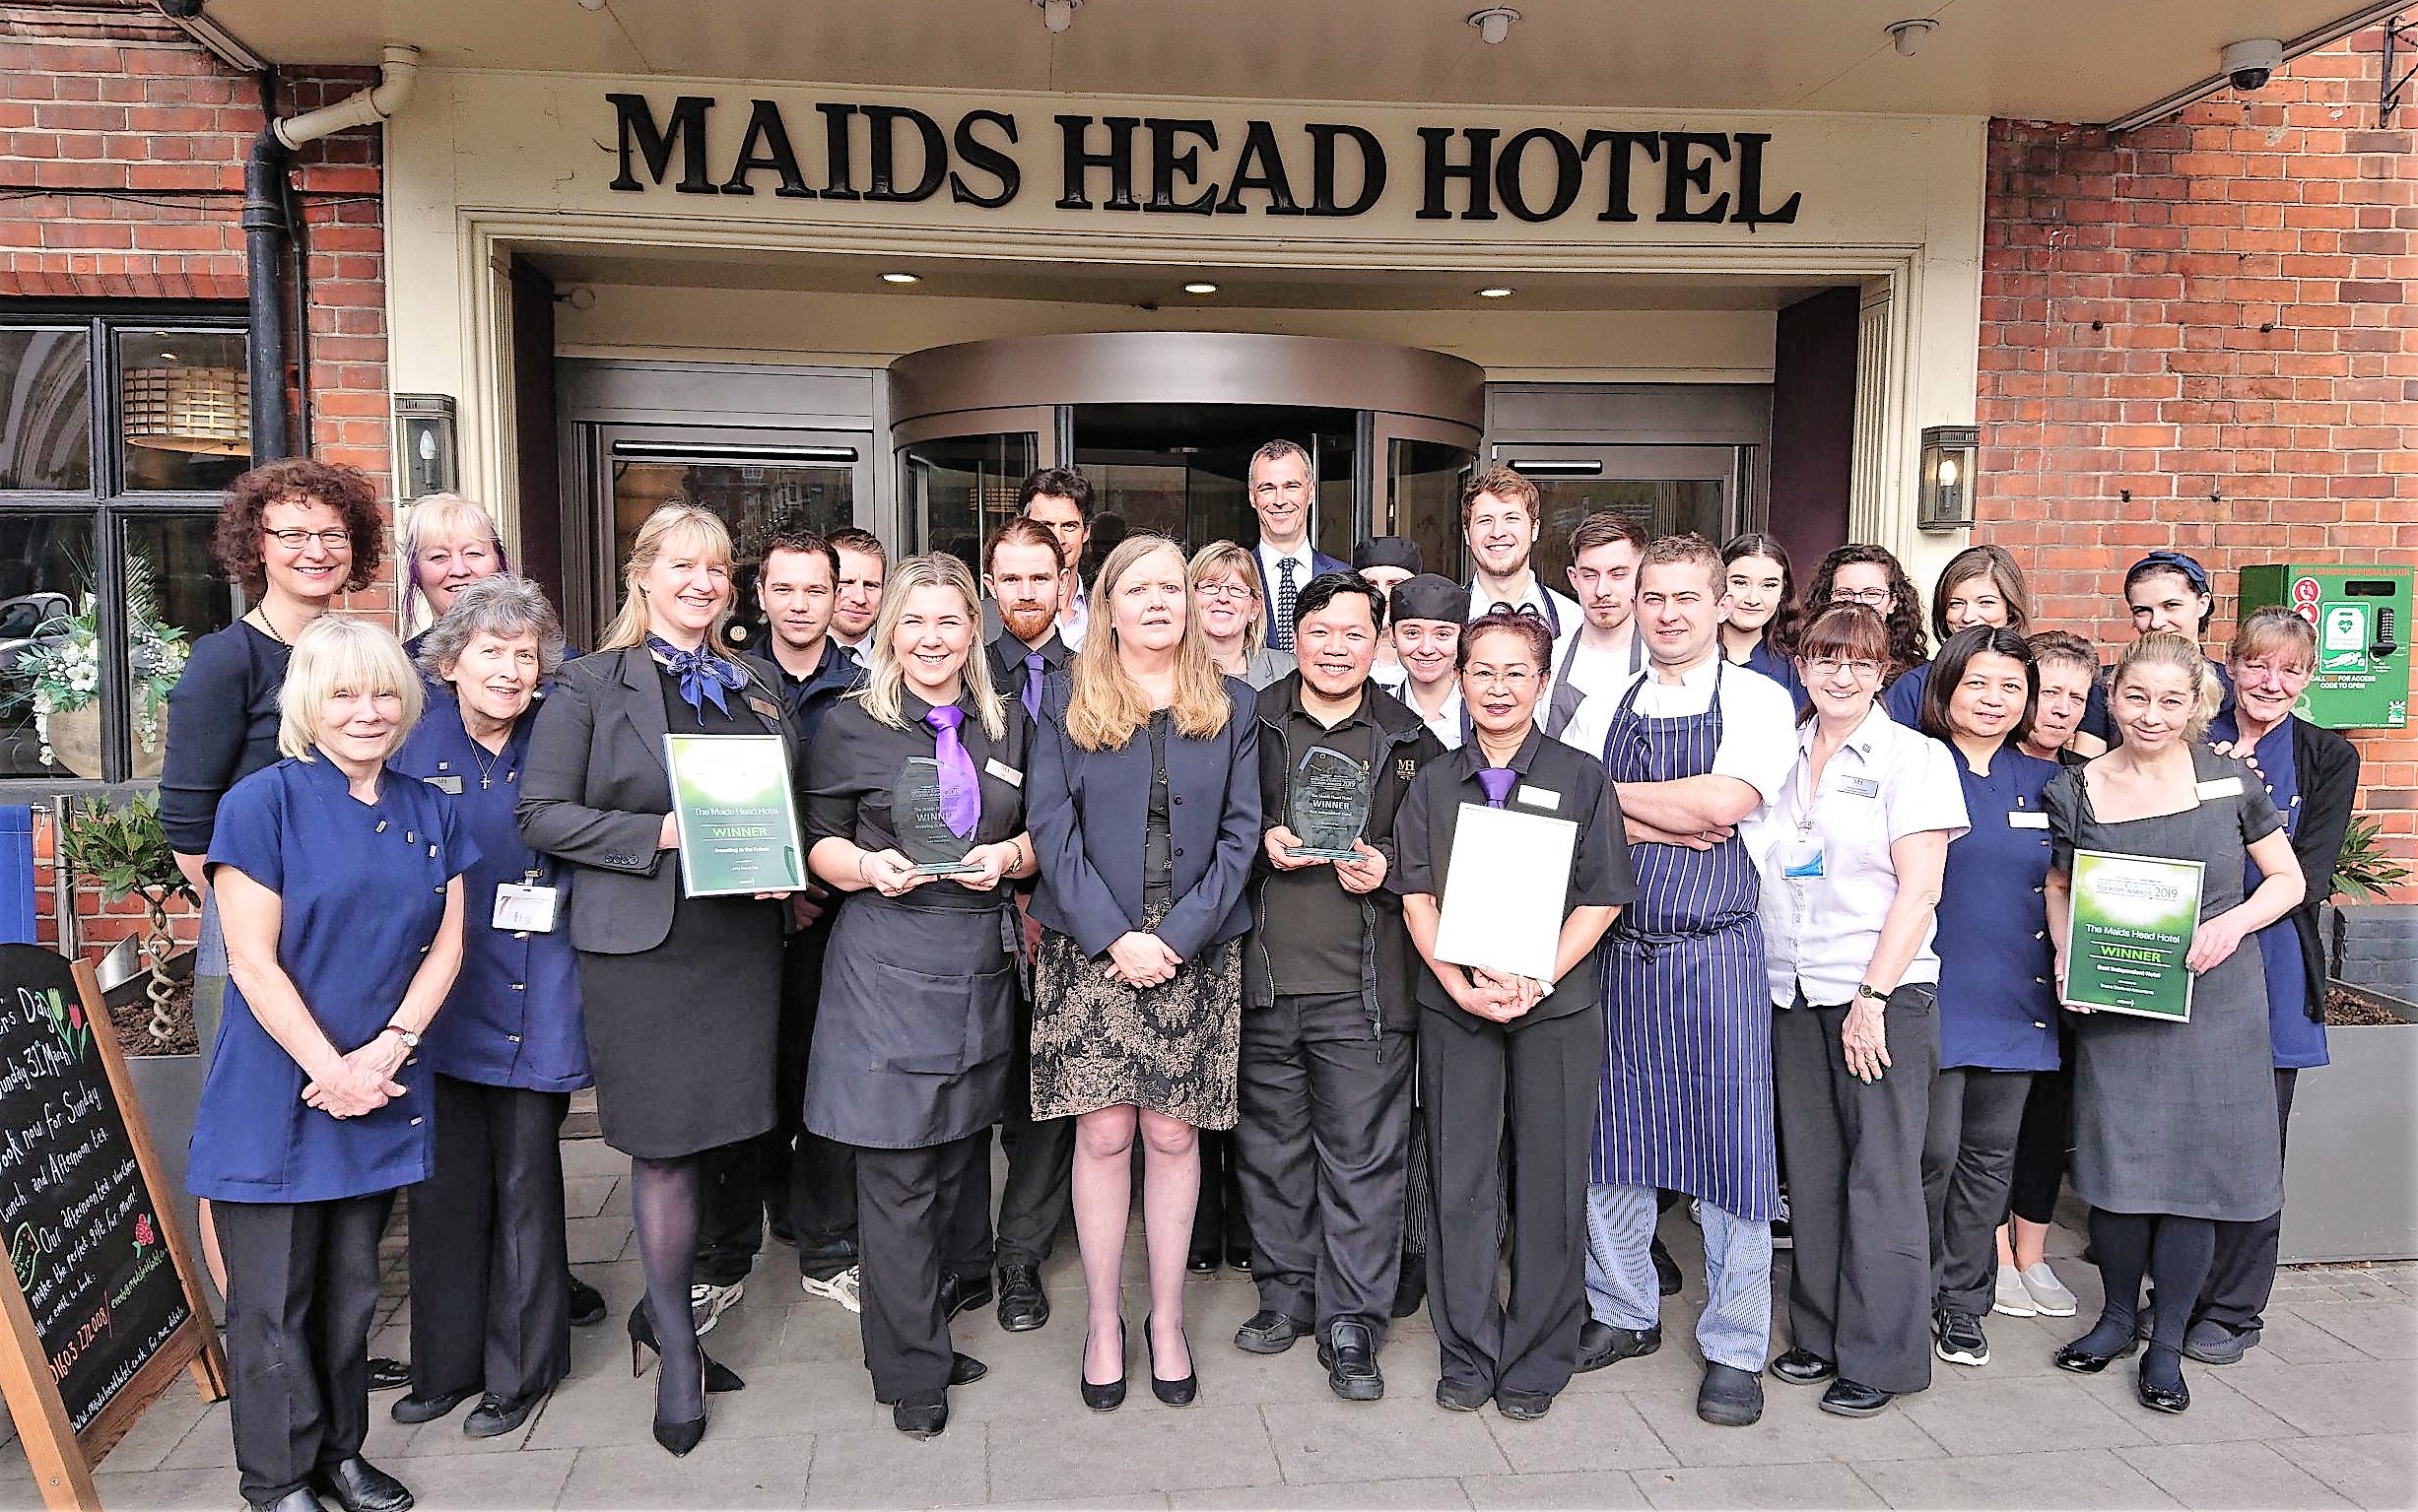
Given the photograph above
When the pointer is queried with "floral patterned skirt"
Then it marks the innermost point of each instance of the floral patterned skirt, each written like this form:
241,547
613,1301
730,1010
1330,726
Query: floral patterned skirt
1098,1043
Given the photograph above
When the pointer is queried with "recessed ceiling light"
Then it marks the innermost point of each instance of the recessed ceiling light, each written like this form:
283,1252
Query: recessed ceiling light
1496,292
899,277
1200,288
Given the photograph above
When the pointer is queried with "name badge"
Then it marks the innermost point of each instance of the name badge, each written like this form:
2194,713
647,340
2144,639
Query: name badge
1800,859
1539,797
1859,787
1004,772
524,908
2221,787
447,783
2026,819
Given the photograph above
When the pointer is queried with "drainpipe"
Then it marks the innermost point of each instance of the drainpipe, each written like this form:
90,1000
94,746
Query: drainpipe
265,233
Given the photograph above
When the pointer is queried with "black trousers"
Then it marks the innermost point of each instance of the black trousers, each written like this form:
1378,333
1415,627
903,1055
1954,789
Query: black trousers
2046,1139
2242,1276
1859,1285
1039,1192
1968,1162
909,1203
1532,1088
490,1295
1219,1221
302,1289
1321,1150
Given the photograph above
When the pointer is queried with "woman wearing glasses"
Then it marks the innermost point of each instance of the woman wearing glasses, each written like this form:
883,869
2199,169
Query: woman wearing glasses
1230,609
1850,855
1869,576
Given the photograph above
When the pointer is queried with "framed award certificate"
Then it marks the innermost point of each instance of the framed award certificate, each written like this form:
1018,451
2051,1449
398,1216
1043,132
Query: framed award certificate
738,825
2130,929
1504,888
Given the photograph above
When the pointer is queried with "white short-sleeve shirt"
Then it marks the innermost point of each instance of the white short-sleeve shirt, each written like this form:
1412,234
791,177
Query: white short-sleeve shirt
1445,722
1827,879
1758,719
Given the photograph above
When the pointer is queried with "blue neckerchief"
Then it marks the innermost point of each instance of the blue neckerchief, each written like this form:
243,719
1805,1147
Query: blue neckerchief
703,674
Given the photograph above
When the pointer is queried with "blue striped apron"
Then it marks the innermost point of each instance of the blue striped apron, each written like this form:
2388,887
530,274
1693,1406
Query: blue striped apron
1687,1083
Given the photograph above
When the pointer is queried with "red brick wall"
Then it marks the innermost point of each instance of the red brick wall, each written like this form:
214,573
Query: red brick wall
2196,335
121,177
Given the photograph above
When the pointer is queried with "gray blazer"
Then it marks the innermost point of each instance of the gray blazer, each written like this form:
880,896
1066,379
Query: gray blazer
595,792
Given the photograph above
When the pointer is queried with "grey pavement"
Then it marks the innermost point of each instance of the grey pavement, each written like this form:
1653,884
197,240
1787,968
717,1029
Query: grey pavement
2324,1413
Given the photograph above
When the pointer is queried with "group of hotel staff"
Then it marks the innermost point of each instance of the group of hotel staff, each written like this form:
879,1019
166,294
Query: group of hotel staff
1808,976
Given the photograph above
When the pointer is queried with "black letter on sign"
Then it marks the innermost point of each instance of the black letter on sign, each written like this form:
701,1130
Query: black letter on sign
1624,144
1479,170
688,128
1262,168
838,153
1167,164
1323,169
766,146
1680,176
994,160
1117,159
1565,174
885,122
1750,186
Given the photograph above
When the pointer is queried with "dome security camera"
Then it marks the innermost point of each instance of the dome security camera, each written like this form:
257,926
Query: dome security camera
2250,64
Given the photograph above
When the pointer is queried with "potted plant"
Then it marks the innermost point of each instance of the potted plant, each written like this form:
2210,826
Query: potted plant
59,672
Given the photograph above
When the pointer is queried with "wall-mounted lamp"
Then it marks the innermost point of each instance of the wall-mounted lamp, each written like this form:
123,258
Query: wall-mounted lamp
1493,24
1058,15
424,431
1908,36
1948,453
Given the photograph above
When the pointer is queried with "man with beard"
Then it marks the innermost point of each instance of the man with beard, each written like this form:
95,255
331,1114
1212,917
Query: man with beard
863,566
1607,651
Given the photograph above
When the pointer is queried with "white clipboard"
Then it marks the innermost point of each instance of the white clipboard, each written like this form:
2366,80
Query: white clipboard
1504,886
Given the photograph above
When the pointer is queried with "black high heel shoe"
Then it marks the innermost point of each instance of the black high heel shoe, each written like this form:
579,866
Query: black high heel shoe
680,1437
1173,1393
719,1378
1110,1396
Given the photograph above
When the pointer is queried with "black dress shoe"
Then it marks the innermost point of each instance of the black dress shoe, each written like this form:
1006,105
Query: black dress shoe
1023,1304
1239,1259
1410,1294
418,1408
1177,1393
964,1369
388,1374
497,1415
1600,1344
1268,1333
1201,1262
1666,1270
1524,1406
1349,1353
1729,1398
2162,1399
920,1413
962,1294
299,1500
1852,1398
2082,1361
587,1304
357,1485
1105,1396
1803,1368
1462,1396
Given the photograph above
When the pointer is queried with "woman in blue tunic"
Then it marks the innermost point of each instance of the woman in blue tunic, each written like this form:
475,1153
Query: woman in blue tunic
1981,585
1998,1007
339,886
1759,627
2312,776
490,1276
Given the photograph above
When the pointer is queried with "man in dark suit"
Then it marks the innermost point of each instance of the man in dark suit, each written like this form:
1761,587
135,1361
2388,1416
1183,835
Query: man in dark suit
1283,488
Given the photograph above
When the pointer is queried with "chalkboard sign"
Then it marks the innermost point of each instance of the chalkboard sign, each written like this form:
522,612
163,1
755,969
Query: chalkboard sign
99,1308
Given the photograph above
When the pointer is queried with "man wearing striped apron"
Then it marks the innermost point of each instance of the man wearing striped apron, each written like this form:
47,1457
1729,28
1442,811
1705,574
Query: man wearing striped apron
1693,747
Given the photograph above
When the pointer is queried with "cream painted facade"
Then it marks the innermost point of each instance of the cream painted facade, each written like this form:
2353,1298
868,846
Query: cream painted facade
486,164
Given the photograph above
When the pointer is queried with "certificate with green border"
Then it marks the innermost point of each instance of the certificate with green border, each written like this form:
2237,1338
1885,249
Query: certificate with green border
2130,930
738,824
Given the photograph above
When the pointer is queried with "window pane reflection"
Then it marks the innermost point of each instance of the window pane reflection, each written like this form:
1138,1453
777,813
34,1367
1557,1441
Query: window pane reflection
1423,500
756,502
45,410
187,410
959,488
1664,508
175,594
49,646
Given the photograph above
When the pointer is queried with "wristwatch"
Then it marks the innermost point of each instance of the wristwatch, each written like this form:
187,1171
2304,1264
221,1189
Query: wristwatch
1867,990
411,1041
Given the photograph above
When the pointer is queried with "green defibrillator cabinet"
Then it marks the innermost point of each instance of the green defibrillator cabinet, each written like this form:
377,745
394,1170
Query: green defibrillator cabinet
2362,617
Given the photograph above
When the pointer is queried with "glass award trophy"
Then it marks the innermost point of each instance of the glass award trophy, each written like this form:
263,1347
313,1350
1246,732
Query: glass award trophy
1330,806
914,817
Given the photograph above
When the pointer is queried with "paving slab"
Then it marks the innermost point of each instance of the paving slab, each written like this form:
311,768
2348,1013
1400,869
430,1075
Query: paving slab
1793,1432
1577,1490
875,1465
1401,1437
1129,1453
2380,1330
519,1482
2051,1478
1374,1495
2372,1470
723,1472
2248,1476
2022,1414
1756,1485
1599,1431
2347,1397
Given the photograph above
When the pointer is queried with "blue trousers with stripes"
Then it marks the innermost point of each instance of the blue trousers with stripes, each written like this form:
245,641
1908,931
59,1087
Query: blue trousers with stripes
1735,1326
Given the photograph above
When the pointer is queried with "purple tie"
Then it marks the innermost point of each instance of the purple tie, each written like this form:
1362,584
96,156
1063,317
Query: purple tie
1496,780
961,791
1035,668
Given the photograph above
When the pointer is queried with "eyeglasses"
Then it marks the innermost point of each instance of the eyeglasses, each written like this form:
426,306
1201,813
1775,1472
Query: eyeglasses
296,540
1870,598
1232,591
1514,680
1825,668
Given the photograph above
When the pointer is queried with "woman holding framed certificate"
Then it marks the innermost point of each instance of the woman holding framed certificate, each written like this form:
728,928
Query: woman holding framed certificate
2174,1126
915,813
680,1072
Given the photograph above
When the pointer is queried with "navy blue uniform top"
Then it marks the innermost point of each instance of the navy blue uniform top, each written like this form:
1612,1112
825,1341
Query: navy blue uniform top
1780,669
1901,699
512,1019
221,727
1998,984
2297,1040
811,697
362,890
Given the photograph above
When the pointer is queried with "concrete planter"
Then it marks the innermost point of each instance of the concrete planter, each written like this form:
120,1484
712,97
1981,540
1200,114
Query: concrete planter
2351,1168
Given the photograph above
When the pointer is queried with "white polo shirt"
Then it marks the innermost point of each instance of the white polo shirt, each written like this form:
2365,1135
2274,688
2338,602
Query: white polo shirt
1820,925
1758,719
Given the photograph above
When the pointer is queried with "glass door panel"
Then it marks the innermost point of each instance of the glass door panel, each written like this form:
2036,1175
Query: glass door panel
956,490
1425,465
1666,490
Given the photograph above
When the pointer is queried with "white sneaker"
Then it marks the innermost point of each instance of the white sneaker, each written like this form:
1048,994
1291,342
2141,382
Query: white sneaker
2049,1293
840,1289
707,1303
2012,1298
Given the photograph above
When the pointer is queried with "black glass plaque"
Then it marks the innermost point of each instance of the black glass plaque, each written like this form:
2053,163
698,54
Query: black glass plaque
914,817
1330,805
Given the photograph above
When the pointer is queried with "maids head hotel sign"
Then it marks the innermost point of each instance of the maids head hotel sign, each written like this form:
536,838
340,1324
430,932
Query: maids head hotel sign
1175,165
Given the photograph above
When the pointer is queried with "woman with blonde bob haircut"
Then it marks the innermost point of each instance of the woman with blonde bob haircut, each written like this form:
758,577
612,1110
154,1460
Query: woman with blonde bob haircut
338,881
679,1071
1144,801
2174,1124
447,542
1228,607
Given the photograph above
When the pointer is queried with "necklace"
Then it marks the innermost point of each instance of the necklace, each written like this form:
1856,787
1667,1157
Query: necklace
487,763
269,624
